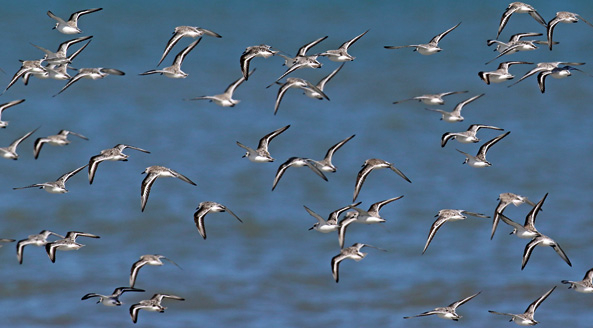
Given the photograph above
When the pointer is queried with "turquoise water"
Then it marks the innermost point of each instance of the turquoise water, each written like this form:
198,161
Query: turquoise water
270,270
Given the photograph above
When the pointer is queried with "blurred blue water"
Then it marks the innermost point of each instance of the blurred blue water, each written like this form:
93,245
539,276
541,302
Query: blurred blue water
271,271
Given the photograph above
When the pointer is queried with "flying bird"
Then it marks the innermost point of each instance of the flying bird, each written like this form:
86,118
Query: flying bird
526,318
543,240
61,56
209,207
312,93
341,54
174,71
148,259
185,31
261,153
455,115
545,66
113,299
153,304
66,244
326,164
39,239
562,17
262,50
519,8
331,224
353,252
506,199
431,98
28,67
111,154
60,139
225,99
468,136
154,172
430,48
557,73
370,165
295,82
447,312
369,216
582,286
301,60
91,73
480,159
58,186
71,25
297,162
3,107
447,215
501,74
10,151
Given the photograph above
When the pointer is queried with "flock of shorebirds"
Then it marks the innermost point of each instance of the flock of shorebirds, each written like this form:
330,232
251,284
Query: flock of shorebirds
56,65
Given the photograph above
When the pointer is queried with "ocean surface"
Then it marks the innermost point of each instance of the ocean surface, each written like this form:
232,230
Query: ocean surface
270,270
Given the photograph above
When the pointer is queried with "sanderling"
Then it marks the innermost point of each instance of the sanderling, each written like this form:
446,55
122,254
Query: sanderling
455,114
70,26
4,124
527,230
261,154
430,48
361,216
582,286
562,17
447,312
341,54
113,299
543,240
431,98
480,159
445,216
154,172
58,186
60,139
331,224
297,162
39,239
174,71
66,244
60,56
519,8
209,207
557,73
369,165
91,73
150,259
10,151
468,136
505,199
153,304
185,31
526,319
111,154
262,50
295,82
512,47
312,93
326,164
501,74
225,99
301,60
545,66
353,252
33,67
